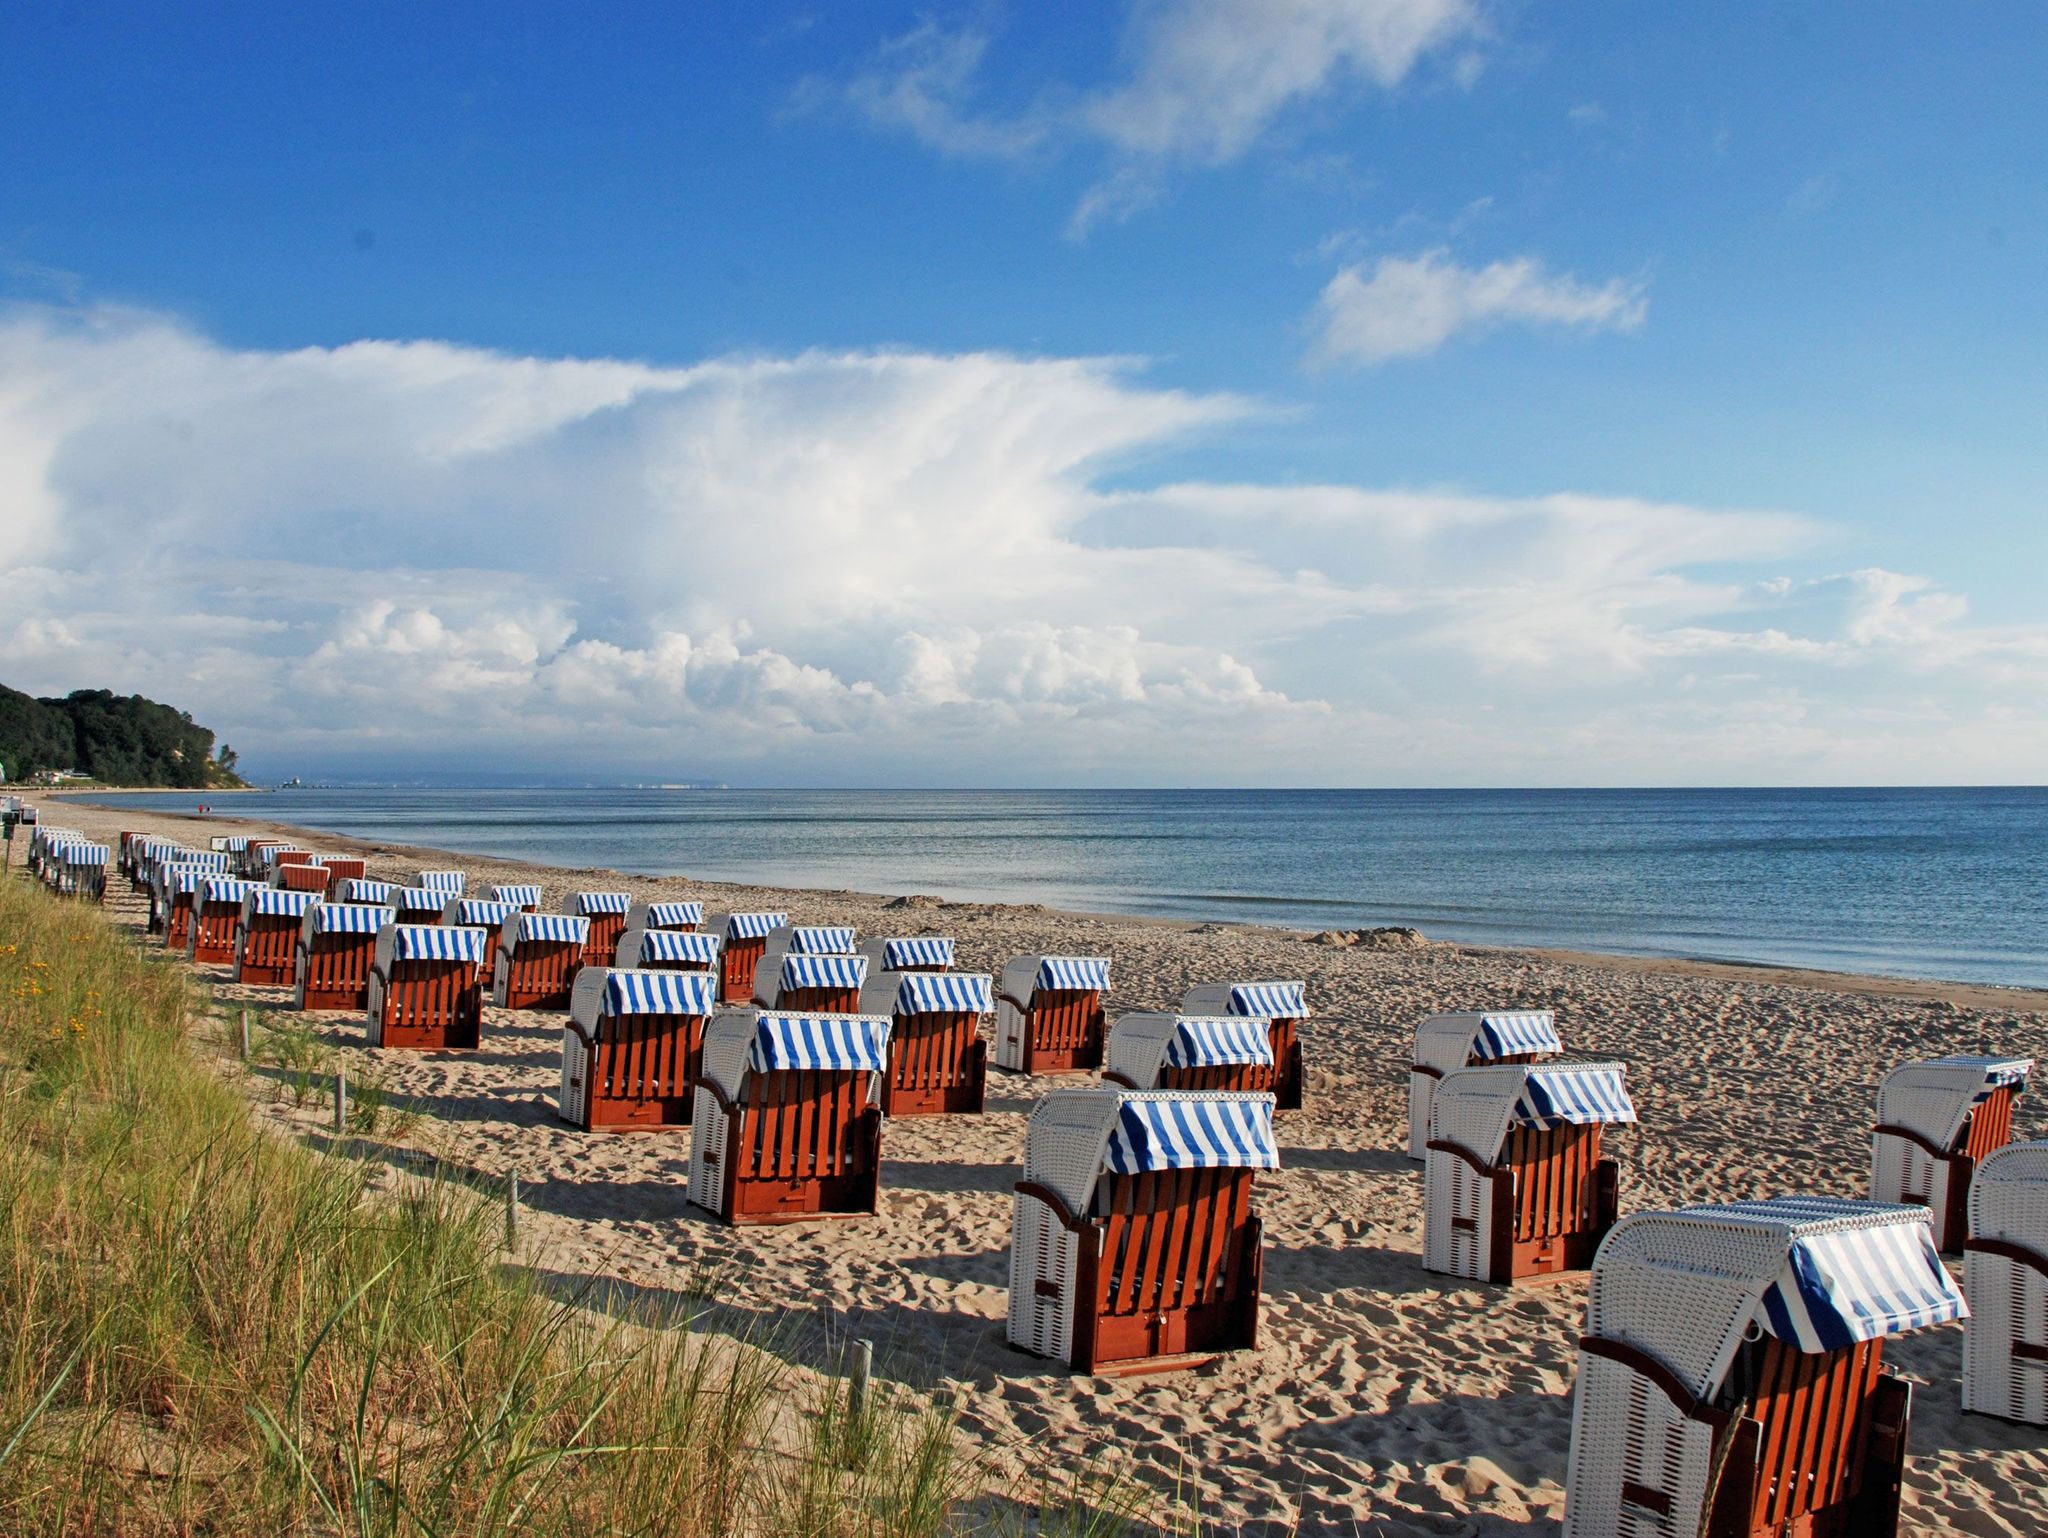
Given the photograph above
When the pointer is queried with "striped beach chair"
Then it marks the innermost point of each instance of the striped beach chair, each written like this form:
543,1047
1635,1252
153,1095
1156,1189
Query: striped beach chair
303,876
449,883
1731,1375
1467,1040
360,889
1936,1122
1283,1005
272,920
806,984
418,904
487,914
1049,1014
2005,1277
633,1048
742,938
1162,1050
249,862
607,914
276,859
1133,1244
804,940
787,1125
521,895
665,913
83,872
127,851
909,953
423,988
539,955
340,868
667,950
1514,1185
938,1063
337,944
217,920
177,893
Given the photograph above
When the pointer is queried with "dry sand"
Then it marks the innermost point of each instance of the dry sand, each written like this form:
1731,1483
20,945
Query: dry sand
1383,1399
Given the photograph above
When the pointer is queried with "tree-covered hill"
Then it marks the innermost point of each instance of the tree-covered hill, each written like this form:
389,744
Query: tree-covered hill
117,739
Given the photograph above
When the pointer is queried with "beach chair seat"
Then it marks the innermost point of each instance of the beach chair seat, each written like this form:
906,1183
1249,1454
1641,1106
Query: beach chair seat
1133,1244
787,1125
606,912
938,1063
331,964
488,914
418,904
1163,1050
217,920
742,939
423,991
633,1048
1936,1122
807,984
667,950
1731,1378
449,883
1467,1040
523,896
1283,1005
1049,1015
272,920
2005,1278
909,953
306,876
1514,1184
665,913
538,957
340,868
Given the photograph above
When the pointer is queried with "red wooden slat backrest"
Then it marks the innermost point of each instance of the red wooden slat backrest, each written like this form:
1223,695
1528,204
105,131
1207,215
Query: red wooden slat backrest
647,1057
603,941
819,1001
741,956
216,925
428,993
543,966
801,1124
270,940
336,961
304,877
1814,1432
1065,1019
1246,1078
1989,1126
1554,1185
931,1051
1167,1237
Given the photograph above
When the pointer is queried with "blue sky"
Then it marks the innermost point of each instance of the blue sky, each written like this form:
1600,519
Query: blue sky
1659,393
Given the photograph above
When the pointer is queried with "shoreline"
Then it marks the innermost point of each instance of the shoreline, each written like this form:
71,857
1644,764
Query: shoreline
1959,994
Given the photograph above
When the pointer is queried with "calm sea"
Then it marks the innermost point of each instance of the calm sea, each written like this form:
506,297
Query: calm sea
1949,883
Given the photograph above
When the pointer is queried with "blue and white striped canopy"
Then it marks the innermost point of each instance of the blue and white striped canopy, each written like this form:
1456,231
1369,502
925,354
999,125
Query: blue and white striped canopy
1999,1072
439,942
483,913
1213,1041
587,903
945,993
349,919
1508,1033
225,889
669,915
858,1042
521,896
419,899
358,890
1082,974
553,927
85,854
1271,1001
678,945
824,971
660,993
1843,1284
753,926
276,902
820,940
186,878
449,883
917,951
1188,1132
230,843
1575,1094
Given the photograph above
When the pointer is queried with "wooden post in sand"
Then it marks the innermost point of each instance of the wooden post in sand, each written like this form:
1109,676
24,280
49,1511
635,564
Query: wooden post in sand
857,1381
512,1211
340,1104
245,1035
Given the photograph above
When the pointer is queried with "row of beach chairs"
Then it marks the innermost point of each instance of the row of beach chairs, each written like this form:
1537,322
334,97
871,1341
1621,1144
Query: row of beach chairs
1730,1377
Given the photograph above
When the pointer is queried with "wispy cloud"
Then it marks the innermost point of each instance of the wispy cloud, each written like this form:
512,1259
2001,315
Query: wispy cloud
1407,306
1204,81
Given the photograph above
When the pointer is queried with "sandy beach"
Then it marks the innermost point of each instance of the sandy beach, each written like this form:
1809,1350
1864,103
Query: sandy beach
1382,1399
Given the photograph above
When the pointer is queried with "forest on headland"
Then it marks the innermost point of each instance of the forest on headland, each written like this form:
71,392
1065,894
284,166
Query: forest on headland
112,739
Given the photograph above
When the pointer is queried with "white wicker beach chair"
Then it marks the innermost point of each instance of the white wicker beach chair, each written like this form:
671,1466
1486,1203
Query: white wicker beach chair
1049,1015
337,944
2005,1277
1466,1040
449,883
217,919
668,950
522,895
1133,1244
360,889
1730,1378
810,984
909,953
272,918
633,1048
1163,1050
423,991
607,914
1283,1006
1514,1184
742,939
1936,1122
938,1063
418,904
787,1121
538,956
665,913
